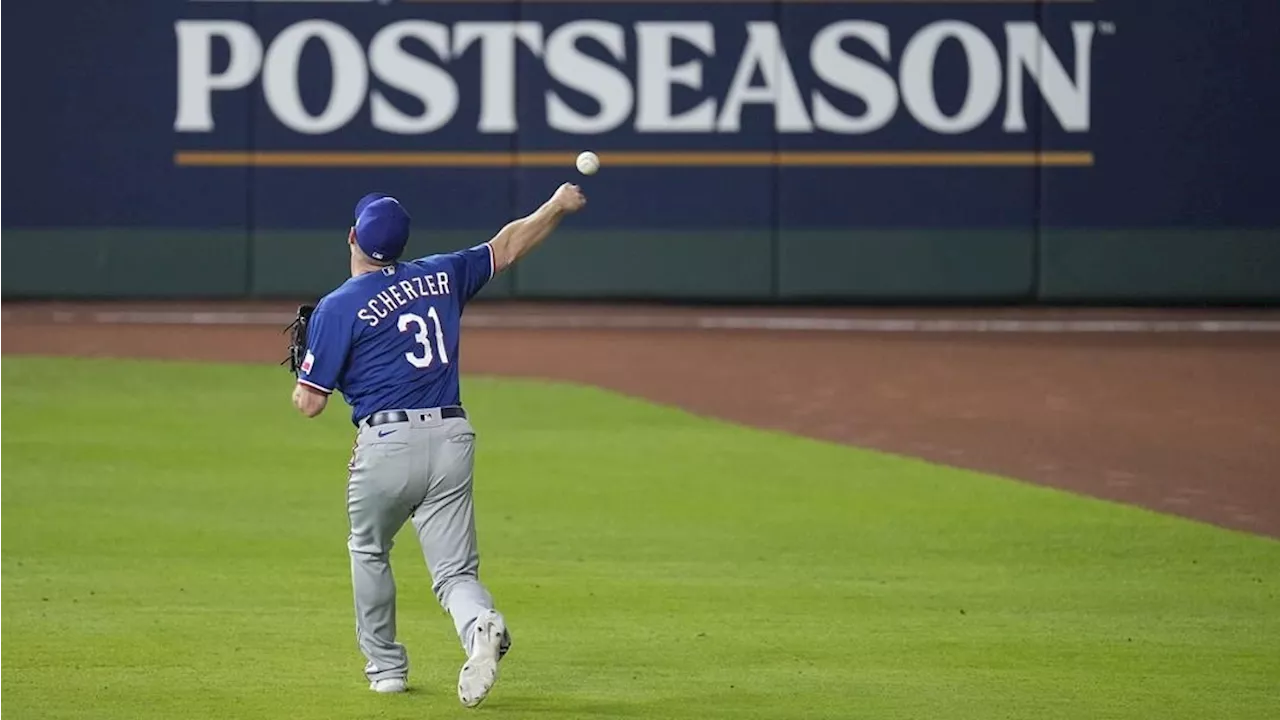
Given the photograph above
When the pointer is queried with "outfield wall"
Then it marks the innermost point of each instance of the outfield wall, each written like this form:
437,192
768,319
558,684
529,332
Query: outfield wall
1109,151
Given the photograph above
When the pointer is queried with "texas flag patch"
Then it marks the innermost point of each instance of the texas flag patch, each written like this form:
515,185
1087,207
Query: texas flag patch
307,362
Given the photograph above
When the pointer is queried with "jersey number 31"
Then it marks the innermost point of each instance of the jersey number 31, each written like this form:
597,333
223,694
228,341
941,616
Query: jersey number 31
424,360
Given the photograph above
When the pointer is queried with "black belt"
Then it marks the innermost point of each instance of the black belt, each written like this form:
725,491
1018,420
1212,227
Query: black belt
394,416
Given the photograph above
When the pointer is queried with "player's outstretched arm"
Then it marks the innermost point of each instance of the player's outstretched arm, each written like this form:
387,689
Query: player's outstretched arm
520,236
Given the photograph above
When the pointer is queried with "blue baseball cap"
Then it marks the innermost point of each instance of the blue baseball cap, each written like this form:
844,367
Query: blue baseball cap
382,226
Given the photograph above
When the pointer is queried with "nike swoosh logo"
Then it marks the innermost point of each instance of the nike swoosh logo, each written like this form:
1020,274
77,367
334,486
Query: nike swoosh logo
384,433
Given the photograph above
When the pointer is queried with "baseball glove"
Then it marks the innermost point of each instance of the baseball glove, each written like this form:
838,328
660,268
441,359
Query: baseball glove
297,331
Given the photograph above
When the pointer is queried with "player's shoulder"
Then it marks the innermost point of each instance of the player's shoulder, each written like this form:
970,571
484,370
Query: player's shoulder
334,297
347,294
463,260
431,263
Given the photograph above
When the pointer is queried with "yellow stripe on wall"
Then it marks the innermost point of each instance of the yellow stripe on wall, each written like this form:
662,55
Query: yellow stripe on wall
627,158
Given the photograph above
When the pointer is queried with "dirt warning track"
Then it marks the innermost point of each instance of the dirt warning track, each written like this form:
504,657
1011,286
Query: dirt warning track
1176,411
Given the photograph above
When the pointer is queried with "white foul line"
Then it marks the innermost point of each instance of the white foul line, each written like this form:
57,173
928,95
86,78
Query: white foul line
792,323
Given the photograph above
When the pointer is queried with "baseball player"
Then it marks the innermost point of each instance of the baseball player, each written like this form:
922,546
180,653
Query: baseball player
388,340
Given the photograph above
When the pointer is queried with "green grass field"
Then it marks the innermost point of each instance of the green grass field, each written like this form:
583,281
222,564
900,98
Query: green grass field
174,547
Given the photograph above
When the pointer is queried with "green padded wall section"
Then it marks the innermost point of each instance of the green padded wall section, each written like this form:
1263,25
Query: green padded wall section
125,262
726,264
906,265
1168,265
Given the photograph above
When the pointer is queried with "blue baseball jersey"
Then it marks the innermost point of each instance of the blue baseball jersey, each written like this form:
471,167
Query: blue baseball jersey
388,340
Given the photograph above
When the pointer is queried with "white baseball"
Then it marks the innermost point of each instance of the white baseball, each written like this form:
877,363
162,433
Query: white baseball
588,163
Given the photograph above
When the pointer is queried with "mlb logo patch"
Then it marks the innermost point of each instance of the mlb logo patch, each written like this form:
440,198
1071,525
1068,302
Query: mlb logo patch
307,362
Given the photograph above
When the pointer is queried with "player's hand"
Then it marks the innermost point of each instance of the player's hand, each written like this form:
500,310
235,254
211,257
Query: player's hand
569,198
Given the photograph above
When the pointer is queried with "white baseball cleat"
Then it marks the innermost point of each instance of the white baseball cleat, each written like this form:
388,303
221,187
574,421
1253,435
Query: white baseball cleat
388,685
481,669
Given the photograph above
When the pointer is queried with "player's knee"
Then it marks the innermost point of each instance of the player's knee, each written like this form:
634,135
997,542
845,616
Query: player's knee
368,549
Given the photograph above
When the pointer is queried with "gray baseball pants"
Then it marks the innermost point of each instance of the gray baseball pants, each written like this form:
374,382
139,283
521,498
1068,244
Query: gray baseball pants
420,470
